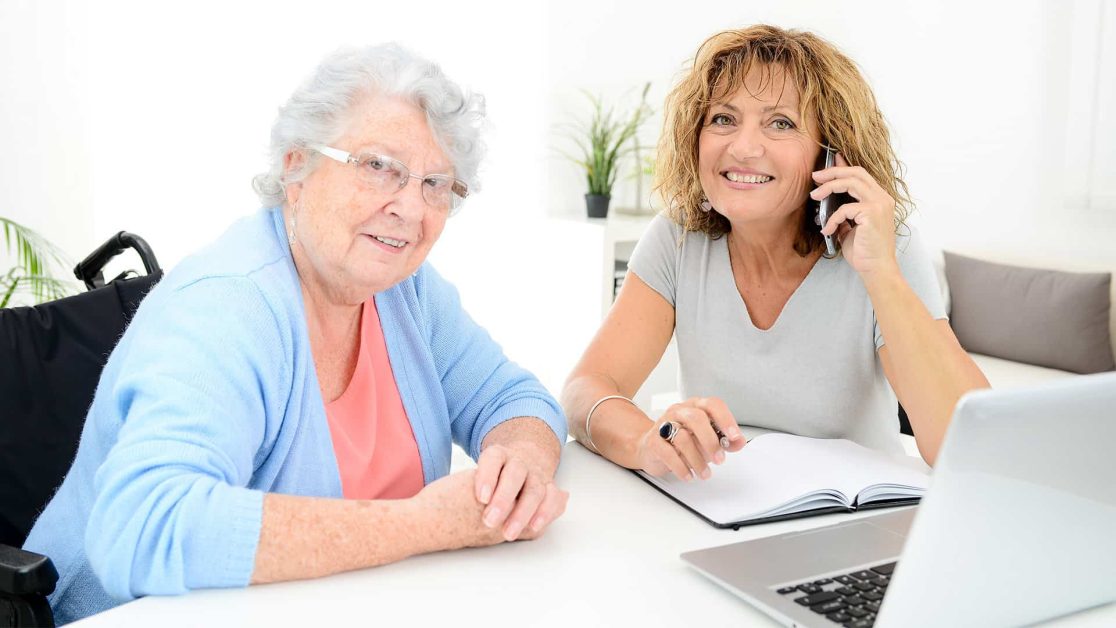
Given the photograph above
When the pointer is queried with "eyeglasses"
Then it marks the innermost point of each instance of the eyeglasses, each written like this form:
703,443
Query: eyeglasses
389,175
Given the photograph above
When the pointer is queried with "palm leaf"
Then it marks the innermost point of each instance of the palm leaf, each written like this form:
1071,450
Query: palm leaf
9,285
35,256
41,288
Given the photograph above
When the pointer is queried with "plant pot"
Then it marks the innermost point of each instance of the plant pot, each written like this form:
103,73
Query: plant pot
597,205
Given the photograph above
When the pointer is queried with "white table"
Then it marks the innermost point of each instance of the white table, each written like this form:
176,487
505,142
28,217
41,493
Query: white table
611,560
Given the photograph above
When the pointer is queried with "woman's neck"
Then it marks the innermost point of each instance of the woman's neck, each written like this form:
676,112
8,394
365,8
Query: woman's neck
765,251
331,315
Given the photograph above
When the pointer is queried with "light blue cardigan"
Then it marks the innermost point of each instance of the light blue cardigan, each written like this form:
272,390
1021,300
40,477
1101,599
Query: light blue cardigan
211,399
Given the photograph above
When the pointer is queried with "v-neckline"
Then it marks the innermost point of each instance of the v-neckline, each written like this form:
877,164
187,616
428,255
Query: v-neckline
783,310
362,364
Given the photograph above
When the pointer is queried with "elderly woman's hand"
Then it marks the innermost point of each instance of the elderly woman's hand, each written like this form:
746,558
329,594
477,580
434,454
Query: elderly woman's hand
455,516
869,246
696,443
516,481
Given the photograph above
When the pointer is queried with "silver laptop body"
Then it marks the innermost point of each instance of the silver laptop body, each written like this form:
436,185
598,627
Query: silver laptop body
1019,524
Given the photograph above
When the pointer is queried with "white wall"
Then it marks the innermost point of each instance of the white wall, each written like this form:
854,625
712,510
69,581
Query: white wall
158,113
153,117
978,95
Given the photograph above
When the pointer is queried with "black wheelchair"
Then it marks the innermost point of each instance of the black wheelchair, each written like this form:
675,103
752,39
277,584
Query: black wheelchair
51,356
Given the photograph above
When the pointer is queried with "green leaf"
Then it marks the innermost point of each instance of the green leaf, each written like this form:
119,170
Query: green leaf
35,256
8,293
606,139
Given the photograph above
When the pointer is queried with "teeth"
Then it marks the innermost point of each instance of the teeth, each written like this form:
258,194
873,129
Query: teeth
396,243
736,177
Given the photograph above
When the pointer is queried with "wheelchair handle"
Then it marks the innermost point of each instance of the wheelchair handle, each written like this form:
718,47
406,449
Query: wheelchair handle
89,269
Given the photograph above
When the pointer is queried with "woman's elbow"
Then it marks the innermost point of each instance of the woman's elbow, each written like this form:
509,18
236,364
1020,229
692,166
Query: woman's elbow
132,551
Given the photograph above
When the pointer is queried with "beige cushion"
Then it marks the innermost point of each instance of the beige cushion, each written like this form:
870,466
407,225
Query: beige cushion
1048,318
1007,374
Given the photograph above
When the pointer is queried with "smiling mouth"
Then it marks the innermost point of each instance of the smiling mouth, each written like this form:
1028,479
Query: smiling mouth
391,242
737,177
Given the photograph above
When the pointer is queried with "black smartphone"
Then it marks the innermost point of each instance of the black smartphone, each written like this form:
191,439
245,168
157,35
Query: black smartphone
829,204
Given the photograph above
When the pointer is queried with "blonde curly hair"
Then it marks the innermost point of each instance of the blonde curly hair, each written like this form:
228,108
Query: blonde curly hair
832,92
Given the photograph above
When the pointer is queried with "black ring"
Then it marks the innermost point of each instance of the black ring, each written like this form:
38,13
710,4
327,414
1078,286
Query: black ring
668,430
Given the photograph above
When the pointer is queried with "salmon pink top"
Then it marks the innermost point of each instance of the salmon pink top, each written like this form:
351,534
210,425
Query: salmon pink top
376,451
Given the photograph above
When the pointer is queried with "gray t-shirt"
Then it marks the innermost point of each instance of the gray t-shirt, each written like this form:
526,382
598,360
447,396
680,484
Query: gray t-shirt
815,372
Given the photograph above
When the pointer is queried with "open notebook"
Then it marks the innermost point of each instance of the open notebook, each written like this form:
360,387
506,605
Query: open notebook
781,476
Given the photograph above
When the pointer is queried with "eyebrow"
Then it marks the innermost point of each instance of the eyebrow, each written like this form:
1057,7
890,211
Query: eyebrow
378,147
765,109
384,149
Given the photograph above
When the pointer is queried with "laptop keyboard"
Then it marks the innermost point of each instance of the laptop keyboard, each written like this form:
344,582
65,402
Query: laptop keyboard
852,599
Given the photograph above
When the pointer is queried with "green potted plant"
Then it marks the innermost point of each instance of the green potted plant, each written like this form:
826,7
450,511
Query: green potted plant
34,257
604,142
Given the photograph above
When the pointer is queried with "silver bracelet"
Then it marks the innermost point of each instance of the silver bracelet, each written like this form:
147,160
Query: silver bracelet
589,417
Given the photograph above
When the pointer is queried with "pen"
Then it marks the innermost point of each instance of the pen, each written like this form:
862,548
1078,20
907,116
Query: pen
724,439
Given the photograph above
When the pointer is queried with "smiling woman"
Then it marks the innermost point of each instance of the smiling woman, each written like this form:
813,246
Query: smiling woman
772,335
810,91
284,402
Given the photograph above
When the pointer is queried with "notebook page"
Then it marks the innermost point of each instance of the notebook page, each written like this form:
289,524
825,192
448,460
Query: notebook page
762,477
780,473
851,468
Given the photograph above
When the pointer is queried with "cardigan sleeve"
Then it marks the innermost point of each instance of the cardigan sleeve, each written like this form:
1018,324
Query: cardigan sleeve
481,386
171,510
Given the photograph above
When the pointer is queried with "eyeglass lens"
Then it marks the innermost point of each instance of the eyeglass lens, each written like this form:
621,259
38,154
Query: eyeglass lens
389,175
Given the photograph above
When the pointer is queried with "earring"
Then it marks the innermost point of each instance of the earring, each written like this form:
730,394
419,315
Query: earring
291,229
705,205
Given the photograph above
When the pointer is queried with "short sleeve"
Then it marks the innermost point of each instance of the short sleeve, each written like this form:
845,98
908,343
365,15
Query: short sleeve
918,269
657,255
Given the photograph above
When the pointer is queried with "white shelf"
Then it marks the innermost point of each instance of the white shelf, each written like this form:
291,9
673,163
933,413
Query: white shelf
603,242
614,237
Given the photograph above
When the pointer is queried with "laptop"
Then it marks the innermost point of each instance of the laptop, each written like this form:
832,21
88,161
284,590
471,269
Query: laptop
1018,526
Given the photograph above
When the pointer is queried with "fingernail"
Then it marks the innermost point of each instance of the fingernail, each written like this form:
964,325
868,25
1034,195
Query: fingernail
735,433
813,194
705,475
486,493
538,523
688,477
720,457
511,533
492,517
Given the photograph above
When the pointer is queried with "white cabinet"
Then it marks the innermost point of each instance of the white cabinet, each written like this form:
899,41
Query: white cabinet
610,242
607,244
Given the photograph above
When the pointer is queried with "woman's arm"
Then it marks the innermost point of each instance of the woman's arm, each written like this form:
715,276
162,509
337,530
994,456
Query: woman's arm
630,342
922,360
499,413
308,537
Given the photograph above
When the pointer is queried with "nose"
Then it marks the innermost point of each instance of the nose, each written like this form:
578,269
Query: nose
407,203
748,143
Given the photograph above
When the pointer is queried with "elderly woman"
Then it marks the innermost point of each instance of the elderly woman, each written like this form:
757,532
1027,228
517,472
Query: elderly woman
284,402
772,332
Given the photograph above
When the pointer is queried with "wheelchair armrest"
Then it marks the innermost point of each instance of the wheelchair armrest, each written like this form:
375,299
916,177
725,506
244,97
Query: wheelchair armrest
89,269
25,573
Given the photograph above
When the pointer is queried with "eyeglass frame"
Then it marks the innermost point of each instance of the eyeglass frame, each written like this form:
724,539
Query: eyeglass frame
345,157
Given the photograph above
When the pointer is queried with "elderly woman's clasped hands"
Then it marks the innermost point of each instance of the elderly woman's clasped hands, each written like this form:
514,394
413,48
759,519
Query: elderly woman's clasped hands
510,496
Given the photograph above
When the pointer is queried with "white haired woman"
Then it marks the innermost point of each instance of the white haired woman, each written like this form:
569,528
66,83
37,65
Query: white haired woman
283,404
